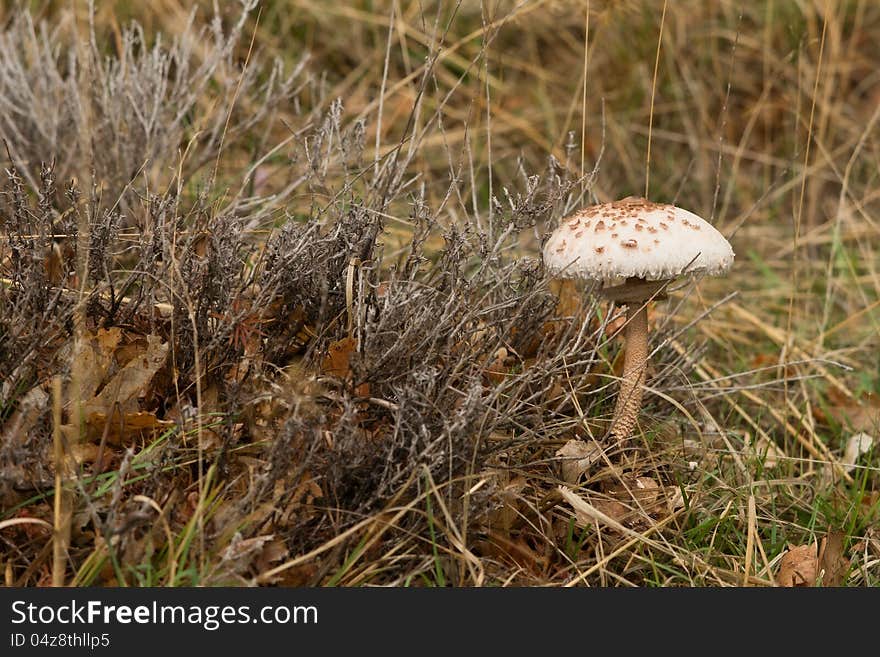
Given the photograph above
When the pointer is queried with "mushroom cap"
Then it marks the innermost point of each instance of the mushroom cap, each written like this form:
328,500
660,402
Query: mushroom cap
635,238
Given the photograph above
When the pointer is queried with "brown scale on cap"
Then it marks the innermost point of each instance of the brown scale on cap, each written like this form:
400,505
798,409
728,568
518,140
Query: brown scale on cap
651,229
600,225
574,224
628,244
631,203
664,226
561,247
599,249
578,234
640,227
613,235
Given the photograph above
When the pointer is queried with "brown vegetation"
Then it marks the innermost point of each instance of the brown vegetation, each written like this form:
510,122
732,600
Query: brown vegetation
303,334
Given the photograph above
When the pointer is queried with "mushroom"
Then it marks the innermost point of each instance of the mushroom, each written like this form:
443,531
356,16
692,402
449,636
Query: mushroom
634,247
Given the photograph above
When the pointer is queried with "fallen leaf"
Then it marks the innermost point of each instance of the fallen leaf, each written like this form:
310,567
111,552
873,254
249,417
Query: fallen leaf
138,423
674,499
858,444
576,458
131,348
767,450
131,381
799,566
498,368
590,514
94,358
643,490
297,319
512,550
337,362
29,523
30,407
245,557
615,323
640,496
859,415
612,509
570,298
272,552
510,496
870,502
241,548
833,564
308,490
298,576
647,490
79,453
762,359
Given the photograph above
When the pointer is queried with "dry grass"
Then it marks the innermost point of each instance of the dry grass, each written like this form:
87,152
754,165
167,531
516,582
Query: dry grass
363,374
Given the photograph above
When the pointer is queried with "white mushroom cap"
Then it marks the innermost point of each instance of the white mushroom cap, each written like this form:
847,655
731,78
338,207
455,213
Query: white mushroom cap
635,238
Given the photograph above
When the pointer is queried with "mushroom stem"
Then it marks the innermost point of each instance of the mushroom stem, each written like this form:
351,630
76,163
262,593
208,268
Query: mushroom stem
635,362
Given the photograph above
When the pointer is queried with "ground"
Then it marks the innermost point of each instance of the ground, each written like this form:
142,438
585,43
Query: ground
273,311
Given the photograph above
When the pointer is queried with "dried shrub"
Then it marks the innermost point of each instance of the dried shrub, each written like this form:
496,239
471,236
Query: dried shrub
115,115
446,348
